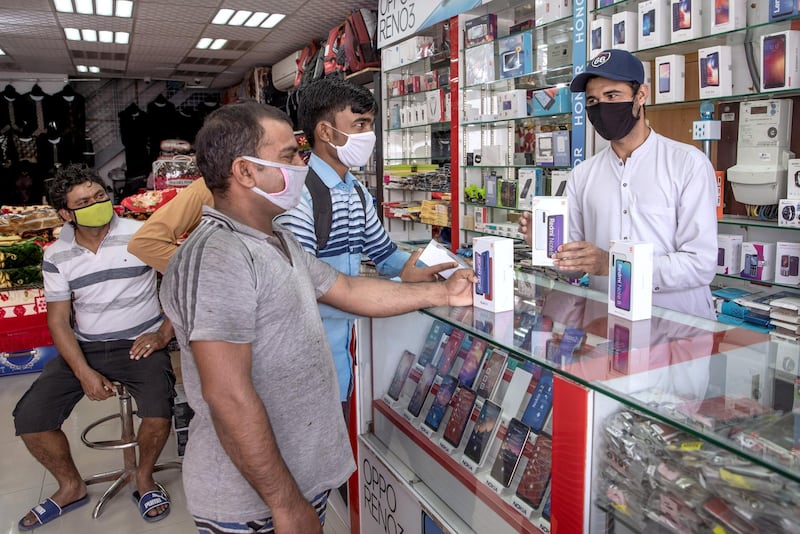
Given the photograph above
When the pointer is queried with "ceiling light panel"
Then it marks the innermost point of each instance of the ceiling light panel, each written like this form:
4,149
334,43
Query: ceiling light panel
273,20
105,8
223,16
256,19
63,6
247,18
84,7
239,17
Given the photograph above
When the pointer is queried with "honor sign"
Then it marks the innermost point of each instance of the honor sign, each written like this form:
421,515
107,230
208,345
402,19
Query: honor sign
386,506
398,19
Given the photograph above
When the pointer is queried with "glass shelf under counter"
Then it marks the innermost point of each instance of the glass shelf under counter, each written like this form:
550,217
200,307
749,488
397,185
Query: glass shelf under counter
479,205
674,368
738,220
760,282
494,234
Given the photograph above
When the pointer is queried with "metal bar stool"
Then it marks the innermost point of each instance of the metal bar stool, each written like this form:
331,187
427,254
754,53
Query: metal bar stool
127,443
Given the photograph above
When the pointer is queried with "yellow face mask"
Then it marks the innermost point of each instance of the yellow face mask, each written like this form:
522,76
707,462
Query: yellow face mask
95,215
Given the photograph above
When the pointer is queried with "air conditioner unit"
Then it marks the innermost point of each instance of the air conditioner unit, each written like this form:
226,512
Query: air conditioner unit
284,72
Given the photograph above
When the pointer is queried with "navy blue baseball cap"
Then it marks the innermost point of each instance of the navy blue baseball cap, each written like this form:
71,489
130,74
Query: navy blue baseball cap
619,65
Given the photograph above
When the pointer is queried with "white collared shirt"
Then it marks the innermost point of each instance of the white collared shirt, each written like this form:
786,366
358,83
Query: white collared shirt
664,194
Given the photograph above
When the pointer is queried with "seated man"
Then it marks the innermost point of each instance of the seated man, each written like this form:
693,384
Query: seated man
119,335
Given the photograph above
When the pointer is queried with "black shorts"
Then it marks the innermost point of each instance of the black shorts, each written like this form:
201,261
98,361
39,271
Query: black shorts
51,398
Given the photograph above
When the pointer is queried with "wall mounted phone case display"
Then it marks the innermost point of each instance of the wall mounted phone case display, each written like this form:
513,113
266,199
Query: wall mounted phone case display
661,416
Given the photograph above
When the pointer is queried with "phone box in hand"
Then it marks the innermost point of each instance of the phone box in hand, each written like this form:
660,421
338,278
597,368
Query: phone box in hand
670,81
436,253
686,19
729,252
599,35
515,55
779,61
654,20
624,30
715,74
550,228
493,261
630,280
480,30
756,261
728,15
787,263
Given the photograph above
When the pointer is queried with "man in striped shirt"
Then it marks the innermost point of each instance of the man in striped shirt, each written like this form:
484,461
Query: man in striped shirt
338,119
119,334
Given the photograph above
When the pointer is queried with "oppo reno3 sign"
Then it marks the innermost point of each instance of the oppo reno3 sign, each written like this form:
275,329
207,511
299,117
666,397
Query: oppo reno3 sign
399,19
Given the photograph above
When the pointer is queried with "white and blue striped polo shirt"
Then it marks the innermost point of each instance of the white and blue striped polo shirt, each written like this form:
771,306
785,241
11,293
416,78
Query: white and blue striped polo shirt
114,292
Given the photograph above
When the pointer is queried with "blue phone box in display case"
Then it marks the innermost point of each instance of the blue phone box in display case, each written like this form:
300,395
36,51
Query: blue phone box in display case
515,55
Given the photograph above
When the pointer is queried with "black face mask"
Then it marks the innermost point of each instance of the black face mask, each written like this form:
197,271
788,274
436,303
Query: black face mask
612,120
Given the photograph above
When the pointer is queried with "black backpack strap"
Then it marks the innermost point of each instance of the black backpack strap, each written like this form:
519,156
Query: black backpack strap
322,208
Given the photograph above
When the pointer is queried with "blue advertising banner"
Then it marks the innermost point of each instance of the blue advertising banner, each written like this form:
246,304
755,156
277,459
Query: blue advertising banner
398,19
579,24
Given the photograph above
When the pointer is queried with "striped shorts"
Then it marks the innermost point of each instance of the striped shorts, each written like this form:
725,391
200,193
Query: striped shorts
261,526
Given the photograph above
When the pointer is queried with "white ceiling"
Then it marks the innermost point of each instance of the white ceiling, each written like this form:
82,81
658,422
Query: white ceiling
163,35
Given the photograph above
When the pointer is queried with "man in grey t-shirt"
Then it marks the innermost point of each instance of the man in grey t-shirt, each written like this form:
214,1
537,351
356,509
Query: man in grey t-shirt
268,440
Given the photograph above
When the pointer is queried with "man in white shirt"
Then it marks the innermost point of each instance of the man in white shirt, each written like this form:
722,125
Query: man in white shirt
643,187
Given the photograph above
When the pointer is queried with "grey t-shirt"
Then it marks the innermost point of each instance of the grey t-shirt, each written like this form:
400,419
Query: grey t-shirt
229,282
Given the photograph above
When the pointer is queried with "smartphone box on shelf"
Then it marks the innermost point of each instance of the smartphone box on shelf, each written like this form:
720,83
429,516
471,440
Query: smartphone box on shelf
479,66
481,29
646,65
793,180
654,19
543,153
757,259
551,101
787,263
515,55
561,148
715,74
781,9
512,104
493,262
558,183
550,10
686,19
434,103
507,193
630,280
779,61
550,221
727,15
729,252
599,35
559,54
490,186
670,80
624,30
531,184
789,212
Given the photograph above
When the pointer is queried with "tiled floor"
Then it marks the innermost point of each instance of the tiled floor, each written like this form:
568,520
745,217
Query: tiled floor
24,482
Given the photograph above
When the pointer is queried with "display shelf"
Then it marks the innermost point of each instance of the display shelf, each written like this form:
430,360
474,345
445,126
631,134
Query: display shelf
734,37
481,232
444,125
735,220
437,60
759,282
515,166
538,79
479,205
563,116
422,94
678,360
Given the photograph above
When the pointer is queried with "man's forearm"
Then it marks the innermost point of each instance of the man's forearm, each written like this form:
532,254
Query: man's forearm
382,298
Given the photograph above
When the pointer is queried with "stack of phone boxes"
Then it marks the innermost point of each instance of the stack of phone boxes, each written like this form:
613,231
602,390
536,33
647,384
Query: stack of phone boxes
550,221
493,263
630,280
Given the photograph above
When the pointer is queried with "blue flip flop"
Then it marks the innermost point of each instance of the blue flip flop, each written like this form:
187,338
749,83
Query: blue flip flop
150,500
47,510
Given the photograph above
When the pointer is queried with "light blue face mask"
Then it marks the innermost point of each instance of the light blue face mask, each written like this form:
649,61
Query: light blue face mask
294,178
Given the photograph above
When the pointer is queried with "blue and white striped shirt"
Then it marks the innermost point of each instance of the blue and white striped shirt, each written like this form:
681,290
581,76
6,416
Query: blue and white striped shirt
114,292
349,239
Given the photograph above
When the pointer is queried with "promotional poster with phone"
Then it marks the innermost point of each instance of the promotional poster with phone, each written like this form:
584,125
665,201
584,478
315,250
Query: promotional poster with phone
505,465
482,433
459,417
440,402
421,391
493,262
400,375
550,228
630,280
